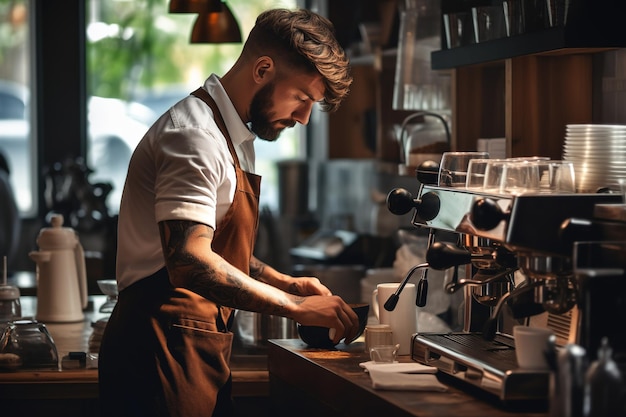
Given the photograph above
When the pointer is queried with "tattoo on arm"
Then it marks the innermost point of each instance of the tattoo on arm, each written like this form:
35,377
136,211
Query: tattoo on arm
256,269
196,274
220,282
175,236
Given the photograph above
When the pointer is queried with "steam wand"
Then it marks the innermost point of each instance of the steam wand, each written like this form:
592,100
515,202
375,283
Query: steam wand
392,301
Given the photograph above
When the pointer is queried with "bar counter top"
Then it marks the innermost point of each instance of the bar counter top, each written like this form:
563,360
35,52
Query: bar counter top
320,382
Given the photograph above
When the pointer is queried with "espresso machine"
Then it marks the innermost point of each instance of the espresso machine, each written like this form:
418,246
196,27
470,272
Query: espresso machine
549,260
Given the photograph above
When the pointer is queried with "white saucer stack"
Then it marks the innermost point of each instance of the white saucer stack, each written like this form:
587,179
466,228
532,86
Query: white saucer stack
599,155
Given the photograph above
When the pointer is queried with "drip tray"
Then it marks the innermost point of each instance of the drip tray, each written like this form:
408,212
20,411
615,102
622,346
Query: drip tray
487,364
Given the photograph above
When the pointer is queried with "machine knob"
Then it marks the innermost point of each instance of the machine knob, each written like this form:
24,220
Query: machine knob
486,214
400,201
445,255
428,173
429,206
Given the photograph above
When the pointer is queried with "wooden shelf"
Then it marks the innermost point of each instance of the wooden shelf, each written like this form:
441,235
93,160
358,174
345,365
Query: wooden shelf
552,41
590,26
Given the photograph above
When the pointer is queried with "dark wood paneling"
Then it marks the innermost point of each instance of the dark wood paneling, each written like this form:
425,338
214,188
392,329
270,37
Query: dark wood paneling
479,100
546,93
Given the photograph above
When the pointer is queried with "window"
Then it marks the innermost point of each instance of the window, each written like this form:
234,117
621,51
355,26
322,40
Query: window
15,119
140,62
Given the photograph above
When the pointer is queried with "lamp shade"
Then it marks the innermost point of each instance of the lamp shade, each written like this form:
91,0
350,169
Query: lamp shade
195,6
216,27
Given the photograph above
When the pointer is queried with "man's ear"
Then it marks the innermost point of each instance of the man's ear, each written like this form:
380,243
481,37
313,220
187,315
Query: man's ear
264,70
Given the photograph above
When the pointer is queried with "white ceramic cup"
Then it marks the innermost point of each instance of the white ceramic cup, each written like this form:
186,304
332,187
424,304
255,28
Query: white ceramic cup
403,318
530,346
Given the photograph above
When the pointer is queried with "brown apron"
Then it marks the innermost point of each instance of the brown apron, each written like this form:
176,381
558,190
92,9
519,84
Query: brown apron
166,350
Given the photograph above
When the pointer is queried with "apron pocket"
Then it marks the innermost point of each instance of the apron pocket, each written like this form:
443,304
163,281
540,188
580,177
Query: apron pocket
193,364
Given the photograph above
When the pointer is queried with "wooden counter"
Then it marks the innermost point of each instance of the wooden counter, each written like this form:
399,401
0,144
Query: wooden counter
75,392
318,382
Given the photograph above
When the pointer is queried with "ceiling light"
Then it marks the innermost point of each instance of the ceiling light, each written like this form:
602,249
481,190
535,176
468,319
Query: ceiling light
195,6
216,27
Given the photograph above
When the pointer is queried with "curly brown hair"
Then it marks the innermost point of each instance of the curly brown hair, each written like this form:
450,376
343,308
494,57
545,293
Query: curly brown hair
304,40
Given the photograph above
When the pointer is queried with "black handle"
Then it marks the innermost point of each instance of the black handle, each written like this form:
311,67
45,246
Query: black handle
422,292
486,214
445,255
391,302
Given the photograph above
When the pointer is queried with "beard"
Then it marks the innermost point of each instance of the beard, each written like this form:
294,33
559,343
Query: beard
260,117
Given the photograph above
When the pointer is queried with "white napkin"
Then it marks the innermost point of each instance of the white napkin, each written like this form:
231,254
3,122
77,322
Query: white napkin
403,376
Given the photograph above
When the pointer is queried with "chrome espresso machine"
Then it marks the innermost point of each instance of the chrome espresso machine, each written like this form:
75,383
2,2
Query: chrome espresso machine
549,260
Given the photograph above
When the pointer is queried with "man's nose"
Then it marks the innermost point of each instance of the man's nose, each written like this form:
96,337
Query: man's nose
303,113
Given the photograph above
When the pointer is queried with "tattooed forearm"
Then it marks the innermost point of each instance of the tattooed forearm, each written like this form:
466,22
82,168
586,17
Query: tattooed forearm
256,268
211,276
235,292
222,286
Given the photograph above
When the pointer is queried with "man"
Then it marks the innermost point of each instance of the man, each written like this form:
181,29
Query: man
188,220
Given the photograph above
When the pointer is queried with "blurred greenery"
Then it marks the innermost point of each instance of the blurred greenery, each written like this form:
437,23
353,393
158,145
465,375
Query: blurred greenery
13,37
138,45
134,45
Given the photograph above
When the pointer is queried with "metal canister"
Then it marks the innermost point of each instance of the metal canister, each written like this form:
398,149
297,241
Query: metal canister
10,307
567,382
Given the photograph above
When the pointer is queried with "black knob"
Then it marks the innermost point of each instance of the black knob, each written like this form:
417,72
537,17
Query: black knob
445,255
428,173
429,206
400,201
486,214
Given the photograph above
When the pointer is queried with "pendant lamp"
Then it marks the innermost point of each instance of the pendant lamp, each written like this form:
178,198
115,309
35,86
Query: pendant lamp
216,27
195,6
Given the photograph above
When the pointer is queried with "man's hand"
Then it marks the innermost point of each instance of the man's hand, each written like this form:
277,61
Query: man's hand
331,312
306,286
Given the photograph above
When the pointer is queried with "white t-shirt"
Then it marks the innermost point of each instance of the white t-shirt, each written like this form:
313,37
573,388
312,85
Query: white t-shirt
181,169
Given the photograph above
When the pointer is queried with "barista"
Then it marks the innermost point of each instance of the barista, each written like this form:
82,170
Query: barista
188,220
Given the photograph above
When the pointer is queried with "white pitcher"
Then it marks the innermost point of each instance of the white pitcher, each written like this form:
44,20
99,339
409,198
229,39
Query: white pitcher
61,274
403,318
